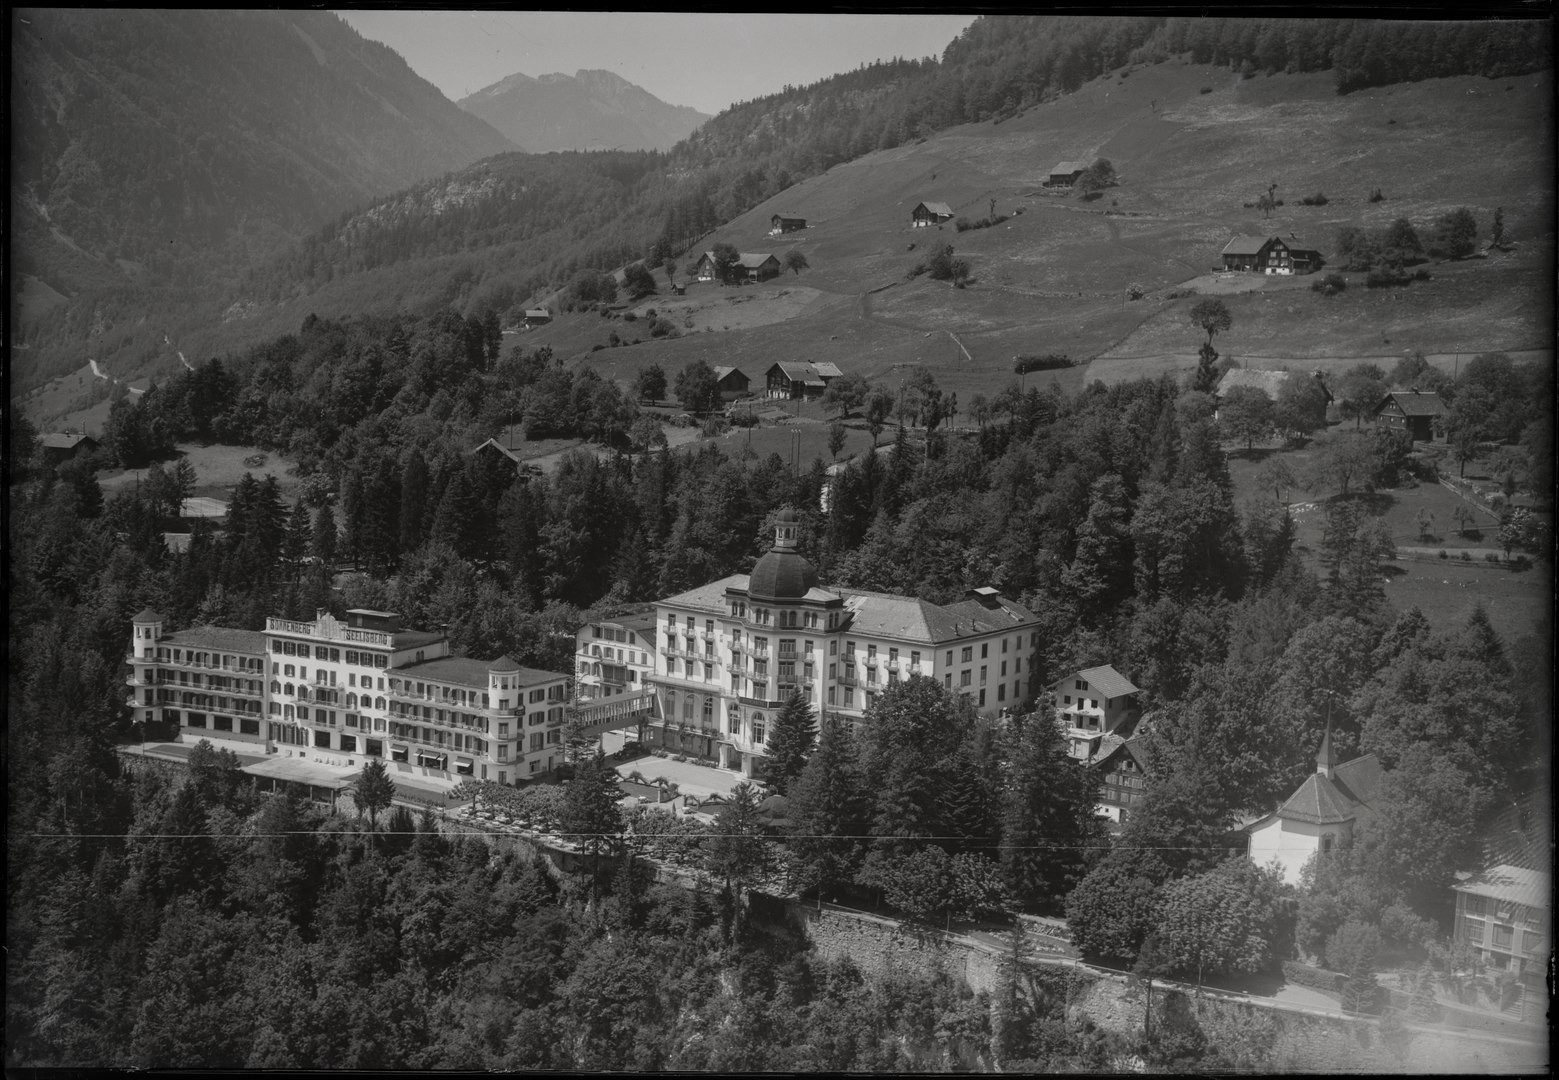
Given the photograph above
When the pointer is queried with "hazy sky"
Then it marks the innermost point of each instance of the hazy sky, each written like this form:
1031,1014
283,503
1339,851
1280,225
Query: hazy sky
706,61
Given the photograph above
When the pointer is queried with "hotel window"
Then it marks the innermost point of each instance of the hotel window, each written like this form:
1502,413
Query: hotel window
849,698
537,741
968,654
1503,935
965,678
1001,692
982,698
709,671
709,710
830,695
947,680
982,674
758,729
687,707
349,743
736,722
985,650
1004,669
1080,685
322,739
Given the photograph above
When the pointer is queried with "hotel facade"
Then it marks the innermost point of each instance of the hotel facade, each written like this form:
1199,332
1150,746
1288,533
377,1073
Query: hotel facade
729,654
342,691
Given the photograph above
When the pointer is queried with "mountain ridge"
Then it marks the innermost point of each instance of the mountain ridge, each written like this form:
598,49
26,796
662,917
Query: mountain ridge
593,109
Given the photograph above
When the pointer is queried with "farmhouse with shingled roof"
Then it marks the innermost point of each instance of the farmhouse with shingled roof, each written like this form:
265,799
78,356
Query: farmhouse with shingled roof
1413,411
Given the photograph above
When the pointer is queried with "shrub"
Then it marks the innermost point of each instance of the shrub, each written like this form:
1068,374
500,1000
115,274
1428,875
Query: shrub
1313,977
1318,199
1466,556
629,316
1489,556
1376,196
254,461
1330,284
597,347
1090,196
1206,90
1444,554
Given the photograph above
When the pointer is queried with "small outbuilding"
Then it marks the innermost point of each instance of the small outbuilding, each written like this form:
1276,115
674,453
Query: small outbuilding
1065,173
537,317
927,214
733,383
786,223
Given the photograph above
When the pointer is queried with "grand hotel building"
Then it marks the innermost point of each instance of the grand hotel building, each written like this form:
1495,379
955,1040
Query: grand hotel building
339,692
729,654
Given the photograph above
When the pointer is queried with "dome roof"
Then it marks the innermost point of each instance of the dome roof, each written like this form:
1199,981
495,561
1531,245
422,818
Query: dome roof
781,575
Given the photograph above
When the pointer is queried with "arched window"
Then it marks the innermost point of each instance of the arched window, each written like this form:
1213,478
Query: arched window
275,686
758,728
709,710
687,707
351,701
378,702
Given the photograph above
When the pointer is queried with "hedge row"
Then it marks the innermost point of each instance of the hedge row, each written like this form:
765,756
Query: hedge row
1316,978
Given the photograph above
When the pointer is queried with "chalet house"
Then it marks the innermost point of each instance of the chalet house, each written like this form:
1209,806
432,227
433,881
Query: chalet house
1269,255
1065,174
1412,411
537,317
786,223
930,213
62,446
757,267
1321,815
800,380
1091,704
748,267
1502,914
732,383
1123,776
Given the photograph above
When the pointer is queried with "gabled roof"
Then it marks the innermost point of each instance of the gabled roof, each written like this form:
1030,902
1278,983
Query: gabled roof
1414,402
537,313
1511,884
148,616
1247,245
1067,168
1270,381
494,444
1116,745
722,372
65,440
1344,797
1108,681
787,217
940,208
810,374
753,260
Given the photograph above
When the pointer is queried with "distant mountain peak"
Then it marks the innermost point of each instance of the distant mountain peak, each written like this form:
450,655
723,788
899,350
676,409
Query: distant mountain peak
593,109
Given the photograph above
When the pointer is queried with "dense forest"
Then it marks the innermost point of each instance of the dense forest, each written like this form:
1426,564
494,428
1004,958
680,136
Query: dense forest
1109,514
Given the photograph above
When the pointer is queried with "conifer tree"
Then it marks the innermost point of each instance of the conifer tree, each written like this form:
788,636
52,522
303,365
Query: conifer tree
828,808
790,743
1047,812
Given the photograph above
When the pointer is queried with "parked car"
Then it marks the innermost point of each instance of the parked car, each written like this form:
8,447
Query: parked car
631,749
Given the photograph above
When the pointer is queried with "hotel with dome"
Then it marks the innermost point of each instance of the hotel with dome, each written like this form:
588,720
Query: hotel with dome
729,654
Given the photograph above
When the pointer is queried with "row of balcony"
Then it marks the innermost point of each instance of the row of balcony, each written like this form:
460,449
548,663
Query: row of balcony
248,667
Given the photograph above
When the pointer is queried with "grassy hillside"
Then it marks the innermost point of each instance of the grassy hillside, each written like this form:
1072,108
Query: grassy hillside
1192,144
1052,278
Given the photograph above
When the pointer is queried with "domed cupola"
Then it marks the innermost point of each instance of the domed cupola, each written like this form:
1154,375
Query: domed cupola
783,573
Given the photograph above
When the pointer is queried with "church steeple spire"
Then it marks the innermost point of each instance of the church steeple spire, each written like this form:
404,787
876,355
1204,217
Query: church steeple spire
1326,757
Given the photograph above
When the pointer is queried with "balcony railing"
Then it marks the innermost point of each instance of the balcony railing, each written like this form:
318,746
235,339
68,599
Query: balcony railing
761,703
848,680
